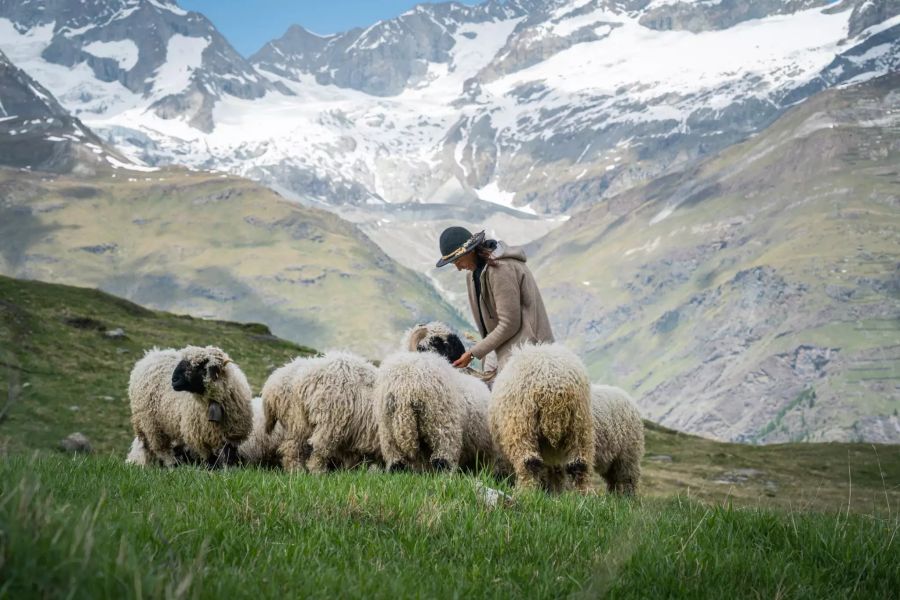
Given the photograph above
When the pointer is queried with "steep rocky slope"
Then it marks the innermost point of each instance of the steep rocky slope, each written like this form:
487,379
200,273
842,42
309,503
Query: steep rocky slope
756,296
37,133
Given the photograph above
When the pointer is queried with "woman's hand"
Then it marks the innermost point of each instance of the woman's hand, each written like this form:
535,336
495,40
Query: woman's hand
463,361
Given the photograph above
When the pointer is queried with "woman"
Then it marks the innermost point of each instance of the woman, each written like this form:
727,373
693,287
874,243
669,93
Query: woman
505,301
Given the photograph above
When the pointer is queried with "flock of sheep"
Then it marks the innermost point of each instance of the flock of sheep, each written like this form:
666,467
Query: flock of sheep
542,422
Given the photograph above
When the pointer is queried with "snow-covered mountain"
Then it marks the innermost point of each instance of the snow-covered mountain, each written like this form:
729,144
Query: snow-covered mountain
101,58
37,133
544,105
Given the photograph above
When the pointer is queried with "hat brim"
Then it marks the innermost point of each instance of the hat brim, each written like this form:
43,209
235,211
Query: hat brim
468,247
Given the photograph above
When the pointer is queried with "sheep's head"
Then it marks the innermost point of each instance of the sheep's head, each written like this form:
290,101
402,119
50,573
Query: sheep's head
435,337
199,370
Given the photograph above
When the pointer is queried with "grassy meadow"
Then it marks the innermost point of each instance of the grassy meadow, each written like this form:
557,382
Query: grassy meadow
790,520
93,527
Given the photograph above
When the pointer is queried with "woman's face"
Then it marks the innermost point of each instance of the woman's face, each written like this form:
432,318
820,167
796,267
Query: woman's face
466,262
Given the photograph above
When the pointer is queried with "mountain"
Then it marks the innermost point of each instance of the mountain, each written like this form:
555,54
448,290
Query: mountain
215,246
108,56
753,297
544,107
37,133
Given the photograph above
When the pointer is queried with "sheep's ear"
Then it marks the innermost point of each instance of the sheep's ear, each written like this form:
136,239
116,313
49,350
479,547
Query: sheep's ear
455,347
213,372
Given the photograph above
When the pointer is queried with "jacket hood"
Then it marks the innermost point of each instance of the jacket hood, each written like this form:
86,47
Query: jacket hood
505,251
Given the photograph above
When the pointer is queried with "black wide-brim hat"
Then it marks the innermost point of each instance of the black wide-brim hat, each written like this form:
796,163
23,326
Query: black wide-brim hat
456,242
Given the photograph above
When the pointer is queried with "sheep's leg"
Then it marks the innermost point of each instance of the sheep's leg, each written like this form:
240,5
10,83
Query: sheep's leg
323,444
622,477
527,462
292,459
159,446
582,457
518,439
390,451
445,442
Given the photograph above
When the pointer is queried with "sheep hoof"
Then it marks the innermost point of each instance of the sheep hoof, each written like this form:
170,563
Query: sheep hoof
306,451
534,464
229,455
577,468
440,464
397,467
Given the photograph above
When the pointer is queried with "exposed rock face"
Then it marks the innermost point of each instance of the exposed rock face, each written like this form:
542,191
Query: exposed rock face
384,59
36,132
172,60
752,298
549,105
76,443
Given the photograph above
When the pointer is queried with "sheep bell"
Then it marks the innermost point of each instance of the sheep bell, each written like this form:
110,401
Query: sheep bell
215,413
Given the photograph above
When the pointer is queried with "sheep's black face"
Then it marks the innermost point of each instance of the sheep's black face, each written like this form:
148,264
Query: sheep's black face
185,378
450,347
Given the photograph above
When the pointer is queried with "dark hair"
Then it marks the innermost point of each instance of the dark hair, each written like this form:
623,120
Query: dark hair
484,251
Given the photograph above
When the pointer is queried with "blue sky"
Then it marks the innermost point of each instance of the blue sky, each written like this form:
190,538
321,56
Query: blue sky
248,24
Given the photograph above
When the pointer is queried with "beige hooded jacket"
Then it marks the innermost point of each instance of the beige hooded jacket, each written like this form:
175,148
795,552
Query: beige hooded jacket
511,305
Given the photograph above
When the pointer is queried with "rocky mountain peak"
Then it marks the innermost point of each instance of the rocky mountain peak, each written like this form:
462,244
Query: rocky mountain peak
37,133
148,51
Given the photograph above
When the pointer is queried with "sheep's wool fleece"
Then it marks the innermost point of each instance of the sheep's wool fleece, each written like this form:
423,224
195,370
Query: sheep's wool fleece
418,399
540,404
162,417
618,434
325,403
260,447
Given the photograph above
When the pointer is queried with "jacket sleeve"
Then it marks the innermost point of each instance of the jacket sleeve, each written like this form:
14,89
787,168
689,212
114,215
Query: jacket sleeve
507,293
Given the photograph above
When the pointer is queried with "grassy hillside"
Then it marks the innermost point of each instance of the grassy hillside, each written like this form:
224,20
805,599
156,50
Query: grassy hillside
212,245
754,297
62,374
92,528
795,520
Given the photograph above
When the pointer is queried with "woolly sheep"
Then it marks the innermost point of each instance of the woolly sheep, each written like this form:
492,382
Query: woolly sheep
618,438
194,397
433,337
261,448
324,405
540,416
420,411
428,413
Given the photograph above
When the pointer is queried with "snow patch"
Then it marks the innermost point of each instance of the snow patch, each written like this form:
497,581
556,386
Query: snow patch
125,52
184,55
118,164
492,193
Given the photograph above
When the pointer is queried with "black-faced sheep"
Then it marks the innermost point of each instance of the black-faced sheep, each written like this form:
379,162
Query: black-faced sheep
325,406
429,414
619,439
540,416
420,411
194,398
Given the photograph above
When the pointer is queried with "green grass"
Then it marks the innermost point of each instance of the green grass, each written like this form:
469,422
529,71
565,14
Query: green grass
60,373
94,528
64,375
209,244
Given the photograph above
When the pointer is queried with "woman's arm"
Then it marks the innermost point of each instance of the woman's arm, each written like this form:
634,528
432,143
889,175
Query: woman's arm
507,293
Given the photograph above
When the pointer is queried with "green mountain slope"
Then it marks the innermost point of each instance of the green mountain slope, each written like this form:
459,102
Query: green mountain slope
212,245
62,369
60,373
755,297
